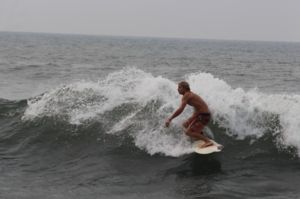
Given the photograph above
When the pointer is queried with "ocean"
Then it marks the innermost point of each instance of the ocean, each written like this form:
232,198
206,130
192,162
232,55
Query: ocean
83,117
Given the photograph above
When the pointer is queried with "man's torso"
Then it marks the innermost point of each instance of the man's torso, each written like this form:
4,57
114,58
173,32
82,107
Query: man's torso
197,102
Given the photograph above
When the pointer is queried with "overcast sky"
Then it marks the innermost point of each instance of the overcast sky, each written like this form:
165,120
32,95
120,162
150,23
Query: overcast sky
275,20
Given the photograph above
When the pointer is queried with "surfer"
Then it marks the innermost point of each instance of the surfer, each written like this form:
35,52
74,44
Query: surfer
195,124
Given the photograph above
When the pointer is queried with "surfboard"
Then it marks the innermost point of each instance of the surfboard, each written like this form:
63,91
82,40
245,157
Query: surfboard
216,147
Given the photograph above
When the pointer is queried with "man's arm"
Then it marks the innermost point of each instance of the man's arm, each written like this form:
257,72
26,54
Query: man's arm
178,111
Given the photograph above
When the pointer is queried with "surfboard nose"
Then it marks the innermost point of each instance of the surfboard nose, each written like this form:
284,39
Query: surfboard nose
220,147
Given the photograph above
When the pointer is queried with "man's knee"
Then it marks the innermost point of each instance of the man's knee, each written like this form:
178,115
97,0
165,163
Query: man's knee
185,124
188,132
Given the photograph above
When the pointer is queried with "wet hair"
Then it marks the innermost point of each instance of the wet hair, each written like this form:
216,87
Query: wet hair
185,85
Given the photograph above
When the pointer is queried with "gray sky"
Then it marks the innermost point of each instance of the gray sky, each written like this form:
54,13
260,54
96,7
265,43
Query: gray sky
275,20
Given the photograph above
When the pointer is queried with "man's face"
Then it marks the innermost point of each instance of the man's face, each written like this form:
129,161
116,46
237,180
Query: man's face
180,90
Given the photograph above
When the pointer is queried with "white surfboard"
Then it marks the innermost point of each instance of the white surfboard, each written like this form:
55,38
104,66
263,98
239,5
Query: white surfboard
207,150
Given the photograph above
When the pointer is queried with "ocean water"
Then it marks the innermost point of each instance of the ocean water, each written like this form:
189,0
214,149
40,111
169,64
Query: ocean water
83,117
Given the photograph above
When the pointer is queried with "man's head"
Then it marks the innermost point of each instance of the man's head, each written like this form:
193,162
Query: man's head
183,87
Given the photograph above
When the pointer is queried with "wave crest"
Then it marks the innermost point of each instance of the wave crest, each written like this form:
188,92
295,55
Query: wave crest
136,103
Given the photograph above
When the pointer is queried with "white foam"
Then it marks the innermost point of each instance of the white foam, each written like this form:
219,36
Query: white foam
249,113
153,99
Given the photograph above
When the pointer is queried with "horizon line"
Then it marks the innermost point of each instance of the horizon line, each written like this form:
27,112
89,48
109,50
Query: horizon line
149,37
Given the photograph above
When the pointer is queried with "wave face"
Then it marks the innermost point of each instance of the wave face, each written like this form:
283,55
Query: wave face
134,104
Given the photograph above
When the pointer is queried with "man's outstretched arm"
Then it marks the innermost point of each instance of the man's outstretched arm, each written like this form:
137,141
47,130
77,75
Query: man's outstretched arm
177,112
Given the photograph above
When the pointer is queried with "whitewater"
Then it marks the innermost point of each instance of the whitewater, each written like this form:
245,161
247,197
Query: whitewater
141,102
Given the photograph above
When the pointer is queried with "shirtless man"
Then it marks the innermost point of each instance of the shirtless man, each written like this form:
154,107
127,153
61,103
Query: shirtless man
195,124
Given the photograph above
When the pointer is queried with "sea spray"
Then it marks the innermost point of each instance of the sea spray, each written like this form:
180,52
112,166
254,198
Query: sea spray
136,103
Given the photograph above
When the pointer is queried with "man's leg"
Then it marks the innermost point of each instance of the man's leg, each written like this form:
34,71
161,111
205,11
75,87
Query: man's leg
188,122
194,130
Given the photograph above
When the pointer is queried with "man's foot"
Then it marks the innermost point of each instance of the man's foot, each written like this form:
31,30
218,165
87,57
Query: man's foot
206,144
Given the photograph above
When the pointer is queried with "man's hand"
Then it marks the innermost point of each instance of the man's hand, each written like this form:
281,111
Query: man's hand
168,121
